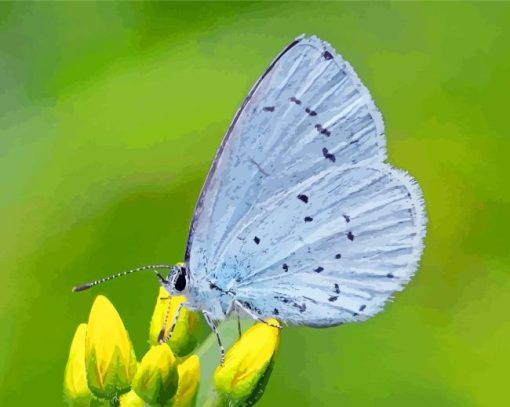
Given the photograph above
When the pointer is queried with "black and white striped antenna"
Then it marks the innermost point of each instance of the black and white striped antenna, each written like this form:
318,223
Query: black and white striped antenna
86,286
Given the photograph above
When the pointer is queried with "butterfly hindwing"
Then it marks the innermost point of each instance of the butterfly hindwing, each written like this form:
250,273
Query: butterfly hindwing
340,255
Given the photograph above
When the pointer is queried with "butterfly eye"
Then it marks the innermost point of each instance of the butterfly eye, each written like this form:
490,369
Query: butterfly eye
180,281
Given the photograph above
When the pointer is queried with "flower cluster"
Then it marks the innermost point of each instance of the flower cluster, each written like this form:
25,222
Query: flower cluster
103,370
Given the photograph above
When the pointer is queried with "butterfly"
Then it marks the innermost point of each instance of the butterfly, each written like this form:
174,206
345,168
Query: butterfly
300,219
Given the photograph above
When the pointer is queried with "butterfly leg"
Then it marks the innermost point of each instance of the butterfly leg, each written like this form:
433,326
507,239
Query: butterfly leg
215,330
254,316
162,338
239,325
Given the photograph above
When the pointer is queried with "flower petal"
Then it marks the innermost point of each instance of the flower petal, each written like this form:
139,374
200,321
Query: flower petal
75,378
182,341
189,379
156,379
247,362
131,399
109,356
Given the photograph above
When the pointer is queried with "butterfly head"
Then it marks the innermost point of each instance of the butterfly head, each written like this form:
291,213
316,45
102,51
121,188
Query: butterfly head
178,280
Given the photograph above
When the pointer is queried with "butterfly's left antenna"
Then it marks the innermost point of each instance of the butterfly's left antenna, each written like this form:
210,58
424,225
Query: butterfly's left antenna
86,286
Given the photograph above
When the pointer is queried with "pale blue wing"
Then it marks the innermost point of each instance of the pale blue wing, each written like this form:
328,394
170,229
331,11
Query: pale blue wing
337,256
308,113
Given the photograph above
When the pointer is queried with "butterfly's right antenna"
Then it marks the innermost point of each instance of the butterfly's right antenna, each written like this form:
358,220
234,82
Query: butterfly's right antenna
86,286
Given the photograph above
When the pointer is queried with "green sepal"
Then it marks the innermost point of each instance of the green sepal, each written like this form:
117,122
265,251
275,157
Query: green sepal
117,377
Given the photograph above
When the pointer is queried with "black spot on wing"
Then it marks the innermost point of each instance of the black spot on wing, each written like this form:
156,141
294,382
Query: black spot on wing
333,298
327,55
308,218
338,256
347,218
303,197
310,111
285,267
256,240
250,307
300,307
213,286
390,275
328,155
350,236
268,108
276,312
362,307
283,299
295,100
319,269
322,130
337,288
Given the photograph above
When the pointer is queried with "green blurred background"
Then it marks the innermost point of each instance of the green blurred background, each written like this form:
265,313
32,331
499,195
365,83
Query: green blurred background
111,113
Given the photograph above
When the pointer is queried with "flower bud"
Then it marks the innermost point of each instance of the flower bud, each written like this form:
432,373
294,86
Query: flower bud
182,341
157,378
242,378
131,399
75,378
109,356
189,378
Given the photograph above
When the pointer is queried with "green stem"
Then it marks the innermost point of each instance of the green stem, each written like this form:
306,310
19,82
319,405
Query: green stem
209,354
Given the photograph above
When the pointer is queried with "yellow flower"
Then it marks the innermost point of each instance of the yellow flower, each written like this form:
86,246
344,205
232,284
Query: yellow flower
109,356
157,378
75,379
182,341
189,378
248,364
131,399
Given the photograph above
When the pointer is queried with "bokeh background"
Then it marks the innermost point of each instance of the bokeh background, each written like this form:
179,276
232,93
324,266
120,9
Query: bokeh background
110,114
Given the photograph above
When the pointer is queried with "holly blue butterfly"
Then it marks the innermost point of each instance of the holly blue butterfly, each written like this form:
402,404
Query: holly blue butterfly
300,218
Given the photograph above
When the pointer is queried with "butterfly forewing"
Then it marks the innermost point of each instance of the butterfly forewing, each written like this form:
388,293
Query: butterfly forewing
303,154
